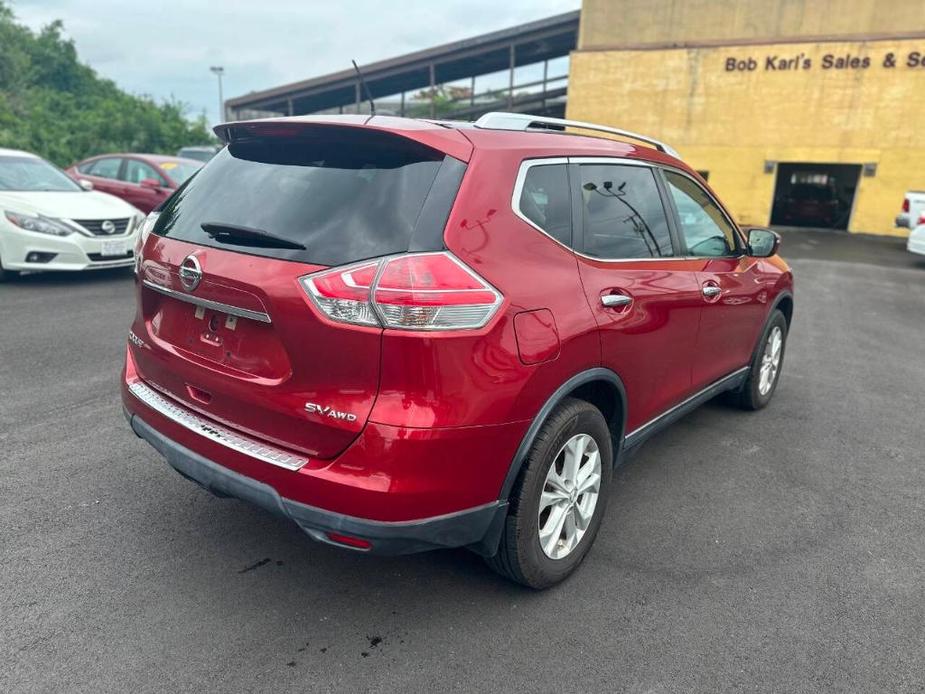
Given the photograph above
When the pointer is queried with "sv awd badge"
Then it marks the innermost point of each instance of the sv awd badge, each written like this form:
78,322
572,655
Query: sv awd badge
326,411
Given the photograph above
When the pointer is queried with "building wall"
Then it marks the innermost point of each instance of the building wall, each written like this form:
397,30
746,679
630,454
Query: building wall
728,112
610,23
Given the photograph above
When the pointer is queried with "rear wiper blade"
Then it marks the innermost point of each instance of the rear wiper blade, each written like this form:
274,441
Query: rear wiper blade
247,236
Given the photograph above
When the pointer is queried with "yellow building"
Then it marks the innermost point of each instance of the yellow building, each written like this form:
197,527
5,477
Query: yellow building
802,112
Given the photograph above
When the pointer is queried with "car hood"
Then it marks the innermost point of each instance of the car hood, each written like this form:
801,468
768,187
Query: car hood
76,205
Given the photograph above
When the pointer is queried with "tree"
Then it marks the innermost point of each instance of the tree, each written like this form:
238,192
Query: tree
59,108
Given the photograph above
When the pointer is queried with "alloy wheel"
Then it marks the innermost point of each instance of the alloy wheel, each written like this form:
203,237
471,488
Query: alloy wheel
770,361
569,496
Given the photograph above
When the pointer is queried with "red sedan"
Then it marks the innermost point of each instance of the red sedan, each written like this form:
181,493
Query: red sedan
144,180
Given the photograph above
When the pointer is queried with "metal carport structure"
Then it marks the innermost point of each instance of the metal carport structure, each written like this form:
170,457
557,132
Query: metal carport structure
440,81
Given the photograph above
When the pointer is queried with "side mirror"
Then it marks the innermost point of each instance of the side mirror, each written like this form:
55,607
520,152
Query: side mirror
85,184
763,243
151,183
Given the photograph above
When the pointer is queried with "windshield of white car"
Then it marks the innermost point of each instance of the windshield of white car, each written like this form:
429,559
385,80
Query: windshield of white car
31,174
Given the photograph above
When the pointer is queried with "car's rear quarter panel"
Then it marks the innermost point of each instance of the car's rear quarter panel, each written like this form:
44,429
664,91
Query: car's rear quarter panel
483,378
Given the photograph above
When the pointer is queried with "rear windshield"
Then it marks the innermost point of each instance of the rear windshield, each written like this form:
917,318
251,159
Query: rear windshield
343,194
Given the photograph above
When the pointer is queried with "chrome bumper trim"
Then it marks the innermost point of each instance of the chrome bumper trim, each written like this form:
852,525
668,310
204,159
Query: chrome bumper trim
215,432
206,303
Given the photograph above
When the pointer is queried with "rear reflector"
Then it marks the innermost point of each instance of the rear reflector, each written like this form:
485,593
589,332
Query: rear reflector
422,291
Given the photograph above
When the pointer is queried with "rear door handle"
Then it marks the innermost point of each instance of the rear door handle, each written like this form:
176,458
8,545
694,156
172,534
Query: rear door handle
613,300
710,291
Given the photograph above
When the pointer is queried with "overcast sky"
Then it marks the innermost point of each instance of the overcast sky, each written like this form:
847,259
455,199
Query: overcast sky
165,47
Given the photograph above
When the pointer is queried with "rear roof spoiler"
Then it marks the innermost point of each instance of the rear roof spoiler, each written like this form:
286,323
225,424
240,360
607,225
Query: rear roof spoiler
499,120
442,139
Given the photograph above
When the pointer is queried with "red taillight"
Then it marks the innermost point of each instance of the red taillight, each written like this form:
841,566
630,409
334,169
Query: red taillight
424,291
906,205
921,219
343,294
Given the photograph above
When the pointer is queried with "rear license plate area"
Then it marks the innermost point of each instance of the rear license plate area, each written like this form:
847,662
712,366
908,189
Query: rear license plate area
242,345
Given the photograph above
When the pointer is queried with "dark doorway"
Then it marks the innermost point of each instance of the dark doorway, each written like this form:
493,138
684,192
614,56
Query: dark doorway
814,195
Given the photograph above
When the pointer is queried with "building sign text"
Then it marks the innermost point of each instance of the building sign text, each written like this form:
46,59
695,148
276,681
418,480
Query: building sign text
829,61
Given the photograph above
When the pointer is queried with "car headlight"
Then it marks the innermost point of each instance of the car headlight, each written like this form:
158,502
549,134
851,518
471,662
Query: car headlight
39,224
137,221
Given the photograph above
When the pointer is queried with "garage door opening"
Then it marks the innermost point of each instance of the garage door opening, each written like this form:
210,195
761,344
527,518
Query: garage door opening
818,196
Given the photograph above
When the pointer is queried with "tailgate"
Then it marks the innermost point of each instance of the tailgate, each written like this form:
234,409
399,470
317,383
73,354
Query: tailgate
253,354
244,344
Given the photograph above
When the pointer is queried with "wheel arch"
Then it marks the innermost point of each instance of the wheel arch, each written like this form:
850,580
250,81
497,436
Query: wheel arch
784,302
601,387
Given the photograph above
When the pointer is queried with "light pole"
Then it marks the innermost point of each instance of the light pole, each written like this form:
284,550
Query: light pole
218,71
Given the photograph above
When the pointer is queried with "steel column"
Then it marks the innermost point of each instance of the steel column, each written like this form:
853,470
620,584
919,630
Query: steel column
433,91
510,86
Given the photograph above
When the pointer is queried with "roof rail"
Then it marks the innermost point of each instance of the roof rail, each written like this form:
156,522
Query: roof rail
499,120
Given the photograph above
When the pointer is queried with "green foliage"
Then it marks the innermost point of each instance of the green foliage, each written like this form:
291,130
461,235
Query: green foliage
448,99
59,108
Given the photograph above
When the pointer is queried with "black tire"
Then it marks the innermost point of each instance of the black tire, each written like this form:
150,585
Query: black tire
520,556
7,275
749,395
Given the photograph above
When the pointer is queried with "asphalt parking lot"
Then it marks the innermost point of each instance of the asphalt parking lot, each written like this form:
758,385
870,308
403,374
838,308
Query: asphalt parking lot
777,551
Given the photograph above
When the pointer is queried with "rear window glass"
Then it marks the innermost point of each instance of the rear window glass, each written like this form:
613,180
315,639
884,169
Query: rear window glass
546,201
342,194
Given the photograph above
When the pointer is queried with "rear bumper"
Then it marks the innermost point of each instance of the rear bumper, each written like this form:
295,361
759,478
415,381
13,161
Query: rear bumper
916,242
478,528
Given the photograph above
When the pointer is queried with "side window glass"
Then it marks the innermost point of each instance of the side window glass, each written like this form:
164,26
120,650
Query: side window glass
704,227
137,171
545,200
105,168
623,216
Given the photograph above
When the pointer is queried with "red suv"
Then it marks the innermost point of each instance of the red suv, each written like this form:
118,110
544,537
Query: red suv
407,334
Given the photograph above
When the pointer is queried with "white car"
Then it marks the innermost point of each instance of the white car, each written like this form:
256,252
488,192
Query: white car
913,209
916,243
50,222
